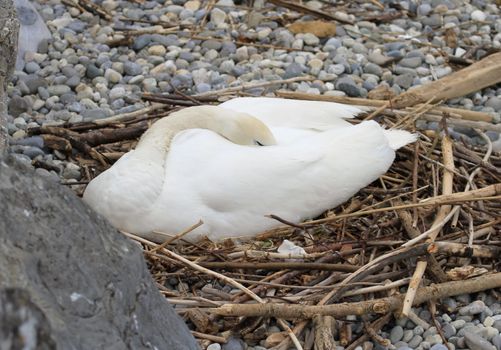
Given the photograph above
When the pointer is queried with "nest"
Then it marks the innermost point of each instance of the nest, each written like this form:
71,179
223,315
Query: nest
427,229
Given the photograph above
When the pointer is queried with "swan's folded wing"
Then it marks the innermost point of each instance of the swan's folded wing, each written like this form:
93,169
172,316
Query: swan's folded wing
236,186
316,115
127,189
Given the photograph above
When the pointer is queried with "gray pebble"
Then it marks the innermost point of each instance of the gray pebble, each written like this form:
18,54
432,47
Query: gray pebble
96,113
132,68
348,86
424,9
494,102
72,171
141,41
433,339
408,335
294,70
458,324
34,82
373,69
58,90
496,341
418,330
73,81
448,330
18,105
430,331
311,40
33,141
474,308
33,152
396,334
93,71
415,341
439,347
411,62
234,344
31,67
404,80
212,44
476,342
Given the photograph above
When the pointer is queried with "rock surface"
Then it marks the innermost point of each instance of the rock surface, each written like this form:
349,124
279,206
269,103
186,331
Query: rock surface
91,283
23,324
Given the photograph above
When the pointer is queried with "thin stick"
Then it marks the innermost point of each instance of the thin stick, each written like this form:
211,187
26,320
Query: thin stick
129,116
176,237
212,338
247,86
443,215
413,287
280,266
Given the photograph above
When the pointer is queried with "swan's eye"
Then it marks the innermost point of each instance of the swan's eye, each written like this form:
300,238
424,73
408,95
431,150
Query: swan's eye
258,143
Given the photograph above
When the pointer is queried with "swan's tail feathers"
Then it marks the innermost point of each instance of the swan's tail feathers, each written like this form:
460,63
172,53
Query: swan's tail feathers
399,138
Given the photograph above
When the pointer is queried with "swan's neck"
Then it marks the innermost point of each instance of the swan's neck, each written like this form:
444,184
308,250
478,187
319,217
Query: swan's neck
156,141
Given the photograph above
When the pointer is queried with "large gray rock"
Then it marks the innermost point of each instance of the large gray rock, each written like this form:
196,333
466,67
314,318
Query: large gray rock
91,282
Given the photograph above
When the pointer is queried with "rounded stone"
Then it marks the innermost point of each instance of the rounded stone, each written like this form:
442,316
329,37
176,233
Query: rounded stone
157,50
478,15
396,334
58,90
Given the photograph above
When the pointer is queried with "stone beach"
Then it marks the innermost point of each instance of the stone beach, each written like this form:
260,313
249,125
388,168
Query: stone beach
87,72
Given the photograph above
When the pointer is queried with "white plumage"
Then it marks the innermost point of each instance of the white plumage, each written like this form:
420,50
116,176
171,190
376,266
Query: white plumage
320,160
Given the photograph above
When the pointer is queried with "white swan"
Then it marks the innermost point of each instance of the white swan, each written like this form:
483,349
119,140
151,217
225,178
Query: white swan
206,163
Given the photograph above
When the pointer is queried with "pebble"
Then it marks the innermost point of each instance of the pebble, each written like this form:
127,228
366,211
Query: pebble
348,86
311,39
439,347
58,90
112,76
411,62
234,344
496,341
449,330
18,105
404,80
476,342
474,308
218,17
478,15
396,334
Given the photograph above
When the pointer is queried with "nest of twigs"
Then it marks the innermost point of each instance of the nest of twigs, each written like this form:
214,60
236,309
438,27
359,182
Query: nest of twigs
432,218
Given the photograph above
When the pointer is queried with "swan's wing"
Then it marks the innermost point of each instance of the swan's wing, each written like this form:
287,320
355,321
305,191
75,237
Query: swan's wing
301,114
233,187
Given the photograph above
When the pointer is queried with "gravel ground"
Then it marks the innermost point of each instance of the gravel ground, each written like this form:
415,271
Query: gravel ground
79,75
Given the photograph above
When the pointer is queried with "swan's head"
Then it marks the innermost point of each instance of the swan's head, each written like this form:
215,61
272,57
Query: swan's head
244,129
240,128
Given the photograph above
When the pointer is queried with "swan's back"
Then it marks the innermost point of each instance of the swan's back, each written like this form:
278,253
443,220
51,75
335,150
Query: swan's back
285,113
